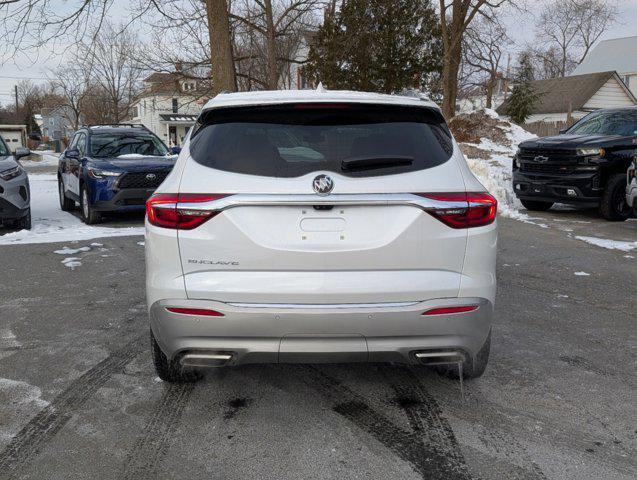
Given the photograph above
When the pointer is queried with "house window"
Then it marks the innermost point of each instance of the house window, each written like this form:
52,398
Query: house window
175,106
135,112
626,80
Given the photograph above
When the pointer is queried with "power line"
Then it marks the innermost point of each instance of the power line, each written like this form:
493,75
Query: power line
22,78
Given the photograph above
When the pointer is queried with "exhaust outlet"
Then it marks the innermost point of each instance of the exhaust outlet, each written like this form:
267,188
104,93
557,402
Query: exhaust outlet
205,359
440,358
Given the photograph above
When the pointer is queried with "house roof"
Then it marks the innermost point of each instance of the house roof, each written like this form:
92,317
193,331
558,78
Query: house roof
320,95
558,95
618,54
170,84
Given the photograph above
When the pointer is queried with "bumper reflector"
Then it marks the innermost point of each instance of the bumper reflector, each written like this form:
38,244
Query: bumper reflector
195,311
451,310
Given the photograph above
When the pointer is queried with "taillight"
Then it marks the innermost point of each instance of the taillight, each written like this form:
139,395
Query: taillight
451,310
464,209
195,311
167,210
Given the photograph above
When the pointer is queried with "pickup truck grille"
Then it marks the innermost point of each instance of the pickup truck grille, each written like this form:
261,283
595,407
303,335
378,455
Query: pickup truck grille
142,179
547,168
552,154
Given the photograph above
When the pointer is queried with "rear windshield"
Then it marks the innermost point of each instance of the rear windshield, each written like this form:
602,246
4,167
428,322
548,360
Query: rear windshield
294,140
116,144
619,122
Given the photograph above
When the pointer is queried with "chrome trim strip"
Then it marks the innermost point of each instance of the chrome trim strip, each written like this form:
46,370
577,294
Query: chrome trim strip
323,305
345,199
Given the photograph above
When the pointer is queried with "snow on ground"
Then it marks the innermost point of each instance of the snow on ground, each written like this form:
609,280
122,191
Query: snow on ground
44,157
51,224
582,274
19,401
609,244
491,160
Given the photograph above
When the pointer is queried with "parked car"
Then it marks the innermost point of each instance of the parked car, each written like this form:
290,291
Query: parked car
631,188
584,165
320,227
111,168
15,195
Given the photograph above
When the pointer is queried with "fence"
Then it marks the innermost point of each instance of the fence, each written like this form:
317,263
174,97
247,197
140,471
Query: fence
545,129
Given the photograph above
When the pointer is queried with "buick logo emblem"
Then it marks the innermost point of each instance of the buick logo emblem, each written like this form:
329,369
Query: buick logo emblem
541,159
151,176
323,185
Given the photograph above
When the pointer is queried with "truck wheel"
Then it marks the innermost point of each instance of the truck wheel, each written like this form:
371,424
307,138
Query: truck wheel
470,368
170,372
613,206
24,223
89,216
66,204
536,206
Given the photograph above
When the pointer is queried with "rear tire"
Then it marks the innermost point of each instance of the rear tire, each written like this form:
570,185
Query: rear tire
168,371
89,216
24,223
613,206
66,204
535,206
470,368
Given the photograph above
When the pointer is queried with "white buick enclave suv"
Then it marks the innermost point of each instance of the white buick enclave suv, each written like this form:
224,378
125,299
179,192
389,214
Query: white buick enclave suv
320,226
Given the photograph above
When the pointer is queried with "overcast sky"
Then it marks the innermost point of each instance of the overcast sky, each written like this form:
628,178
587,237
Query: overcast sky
35,65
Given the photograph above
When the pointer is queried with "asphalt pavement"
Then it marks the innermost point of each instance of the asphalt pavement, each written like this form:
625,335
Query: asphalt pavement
79,398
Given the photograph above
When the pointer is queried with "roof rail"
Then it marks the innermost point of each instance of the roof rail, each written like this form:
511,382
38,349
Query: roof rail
131,125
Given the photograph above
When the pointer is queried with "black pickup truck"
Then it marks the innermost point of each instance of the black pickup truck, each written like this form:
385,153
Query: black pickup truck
584,165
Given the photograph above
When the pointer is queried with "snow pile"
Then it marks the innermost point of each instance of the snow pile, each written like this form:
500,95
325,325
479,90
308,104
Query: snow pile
45,157
489,143
51,224
609,244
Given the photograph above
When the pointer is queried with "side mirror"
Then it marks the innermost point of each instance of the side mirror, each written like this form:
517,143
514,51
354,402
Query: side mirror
72,153
22,152
175,150
563,131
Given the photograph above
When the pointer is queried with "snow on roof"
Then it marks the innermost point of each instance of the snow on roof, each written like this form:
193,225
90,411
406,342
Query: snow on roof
320,95
618,54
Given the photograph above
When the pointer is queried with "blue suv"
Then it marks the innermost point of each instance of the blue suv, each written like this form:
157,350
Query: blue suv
112,168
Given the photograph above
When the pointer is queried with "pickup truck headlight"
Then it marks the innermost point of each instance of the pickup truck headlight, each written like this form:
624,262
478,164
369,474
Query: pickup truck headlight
11,173
591,151
97,173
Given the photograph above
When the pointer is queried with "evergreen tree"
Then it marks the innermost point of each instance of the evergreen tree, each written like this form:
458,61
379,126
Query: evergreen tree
523,97
377,45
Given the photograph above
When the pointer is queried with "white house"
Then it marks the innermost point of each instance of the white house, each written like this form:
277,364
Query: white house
576,95
619,54
169,105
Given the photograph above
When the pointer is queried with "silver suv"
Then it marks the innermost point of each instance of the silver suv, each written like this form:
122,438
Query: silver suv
15,211
314,226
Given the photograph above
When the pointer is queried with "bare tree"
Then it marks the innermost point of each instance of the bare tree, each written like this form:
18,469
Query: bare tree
111,65
484,45
71,84
455,18
271,32
31,24
570,27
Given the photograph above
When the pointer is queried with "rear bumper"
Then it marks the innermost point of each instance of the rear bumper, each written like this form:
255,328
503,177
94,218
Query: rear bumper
326,333
581,189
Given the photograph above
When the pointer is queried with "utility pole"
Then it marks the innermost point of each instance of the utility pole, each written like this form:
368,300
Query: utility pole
16,103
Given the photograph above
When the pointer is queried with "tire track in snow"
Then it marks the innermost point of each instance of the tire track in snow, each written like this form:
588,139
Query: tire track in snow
442,461
50,420
144,460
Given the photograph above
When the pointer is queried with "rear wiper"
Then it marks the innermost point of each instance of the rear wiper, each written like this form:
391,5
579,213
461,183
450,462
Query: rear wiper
379,161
